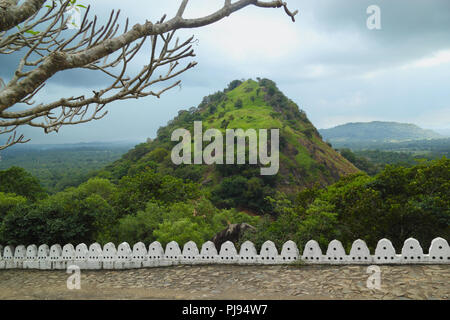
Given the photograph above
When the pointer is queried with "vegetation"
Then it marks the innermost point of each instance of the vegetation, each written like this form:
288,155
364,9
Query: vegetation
317,194
434,148
145,207
373,161
398,203
58,168
304,158
17,181
361,162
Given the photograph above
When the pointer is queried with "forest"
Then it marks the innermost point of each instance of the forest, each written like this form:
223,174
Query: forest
397,203
60,166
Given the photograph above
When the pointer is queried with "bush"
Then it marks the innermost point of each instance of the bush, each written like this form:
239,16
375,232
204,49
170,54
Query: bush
17,180
135,191
140,227
198,221
9,201
59,219
233,85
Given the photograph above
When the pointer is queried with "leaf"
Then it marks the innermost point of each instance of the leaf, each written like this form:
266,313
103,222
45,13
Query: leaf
32,32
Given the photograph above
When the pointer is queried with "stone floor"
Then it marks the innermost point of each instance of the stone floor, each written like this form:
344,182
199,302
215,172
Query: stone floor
232,282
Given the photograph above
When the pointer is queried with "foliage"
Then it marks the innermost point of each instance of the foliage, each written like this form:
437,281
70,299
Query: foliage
135,191
9,201
398,203
238,104
58,168
360,162
319,223
75,215
405,159
17,180
140,227
198,221
431,149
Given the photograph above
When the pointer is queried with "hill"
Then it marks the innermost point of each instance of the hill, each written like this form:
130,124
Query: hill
375,132
305,159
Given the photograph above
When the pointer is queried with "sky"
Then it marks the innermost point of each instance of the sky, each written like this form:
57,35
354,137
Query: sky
328,62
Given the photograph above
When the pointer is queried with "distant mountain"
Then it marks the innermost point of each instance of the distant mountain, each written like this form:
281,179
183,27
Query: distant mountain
376,132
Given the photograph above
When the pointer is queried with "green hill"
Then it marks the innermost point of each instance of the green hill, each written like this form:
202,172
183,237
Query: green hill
376,132
305,159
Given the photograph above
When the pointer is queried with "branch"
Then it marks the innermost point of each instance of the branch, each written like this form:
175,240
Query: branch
13,139
12,16
90,48
277,4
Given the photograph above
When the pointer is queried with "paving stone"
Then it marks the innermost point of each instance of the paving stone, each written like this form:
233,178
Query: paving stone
243,282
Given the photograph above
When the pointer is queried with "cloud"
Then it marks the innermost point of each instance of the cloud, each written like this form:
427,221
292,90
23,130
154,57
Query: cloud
328,62
436,59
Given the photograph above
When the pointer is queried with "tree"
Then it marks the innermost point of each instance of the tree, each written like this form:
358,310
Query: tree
75,215
139,227
9,201
360,162
396,204
47,48
196,220
135,191
17,180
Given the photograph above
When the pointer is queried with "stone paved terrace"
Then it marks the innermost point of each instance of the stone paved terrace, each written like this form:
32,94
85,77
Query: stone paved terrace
232,282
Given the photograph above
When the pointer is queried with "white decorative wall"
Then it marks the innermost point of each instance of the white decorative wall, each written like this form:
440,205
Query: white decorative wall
312,252
209,254
155,255
360,253
190,254
228,253
109,256
248,253
95,257
31,259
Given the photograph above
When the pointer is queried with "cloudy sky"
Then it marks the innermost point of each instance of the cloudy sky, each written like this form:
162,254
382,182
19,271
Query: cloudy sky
328,62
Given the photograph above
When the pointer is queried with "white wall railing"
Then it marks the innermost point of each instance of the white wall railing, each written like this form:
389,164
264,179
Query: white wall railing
95,257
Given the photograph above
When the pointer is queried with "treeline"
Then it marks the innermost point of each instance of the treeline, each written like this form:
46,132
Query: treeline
433,147
58,168
374,161
145,207
398,203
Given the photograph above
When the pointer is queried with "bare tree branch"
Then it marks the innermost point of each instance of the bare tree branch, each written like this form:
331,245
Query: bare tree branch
91,47
12,15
